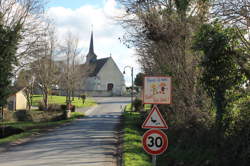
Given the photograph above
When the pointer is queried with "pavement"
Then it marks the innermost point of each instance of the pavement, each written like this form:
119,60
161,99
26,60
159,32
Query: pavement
90,141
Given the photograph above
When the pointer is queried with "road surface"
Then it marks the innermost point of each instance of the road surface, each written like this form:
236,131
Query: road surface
89,141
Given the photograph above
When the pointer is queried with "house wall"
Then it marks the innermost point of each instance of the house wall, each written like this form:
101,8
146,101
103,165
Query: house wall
21,101
92,83
11,103
110,73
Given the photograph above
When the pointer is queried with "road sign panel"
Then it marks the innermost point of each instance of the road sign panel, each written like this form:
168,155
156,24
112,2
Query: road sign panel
157,90
155,142
155,120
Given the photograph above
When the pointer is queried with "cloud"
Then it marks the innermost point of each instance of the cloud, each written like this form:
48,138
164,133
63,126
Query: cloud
106,31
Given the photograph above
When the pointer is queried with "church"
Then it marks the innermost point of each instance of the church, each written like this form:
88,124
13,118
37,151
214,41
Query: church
104,78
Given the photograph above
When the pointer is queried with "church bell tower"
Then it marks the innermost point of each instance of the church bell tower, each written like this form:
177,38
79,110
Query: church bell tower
91,56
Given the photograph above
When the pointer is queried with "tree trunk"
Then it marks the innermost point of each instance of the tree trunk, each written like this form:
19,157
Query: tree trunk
45,99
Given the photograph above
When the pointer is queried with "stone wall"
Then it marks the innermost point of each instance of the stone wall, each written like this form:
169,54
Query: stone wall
34,116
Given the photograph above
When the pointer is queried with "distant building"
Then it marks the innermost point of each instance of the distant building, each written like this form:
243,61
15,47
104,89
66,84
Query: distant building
17,101
105,77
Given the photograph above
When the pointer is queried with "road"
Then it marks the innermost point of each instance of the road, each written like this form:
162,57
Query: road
89,141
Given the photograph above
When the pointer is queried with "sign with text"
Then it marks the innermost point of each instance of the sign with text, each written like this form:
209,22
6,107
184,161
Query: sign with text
157,90
154,142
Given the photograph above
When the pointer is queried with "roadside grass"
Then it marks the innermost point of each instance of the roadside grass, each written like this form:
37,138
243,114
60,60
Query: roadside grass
133,153
61,100
146,107
31,128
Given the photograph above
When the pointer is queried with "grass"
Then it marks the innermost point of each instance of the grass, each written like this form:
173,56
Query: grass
146,107
133,153
31,128
61,100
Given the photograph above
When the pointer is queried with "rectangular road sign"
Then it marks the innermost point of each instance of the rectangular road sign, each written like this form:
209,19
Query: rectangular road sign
157,90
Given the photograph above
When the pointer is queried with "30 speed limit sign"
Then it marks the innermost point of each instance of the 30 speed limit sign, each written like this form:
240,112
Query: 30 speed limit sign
154,142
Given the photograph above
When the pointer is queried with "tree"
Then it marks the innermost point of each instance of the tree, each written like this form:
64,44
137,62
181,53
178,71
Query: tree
14,28
26,79
220,70
8,45
235,13
44,67
162,34
73,73
139,79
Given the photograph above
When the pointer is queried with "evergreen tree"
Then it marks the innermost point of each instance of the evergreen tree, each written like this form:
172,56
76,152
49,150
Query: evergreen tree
8,46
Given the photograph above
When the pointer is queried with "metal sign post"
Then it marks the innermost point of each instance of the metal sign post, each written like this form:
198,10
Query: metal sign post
154,160
157,90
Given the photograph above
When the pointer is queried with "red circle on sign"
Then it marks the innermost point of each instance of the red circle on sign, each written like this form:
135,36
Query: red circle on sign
164,143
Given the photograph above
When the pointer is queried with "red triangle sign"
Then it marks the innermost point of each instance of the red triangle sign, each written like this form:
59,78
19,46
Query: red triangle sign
154,120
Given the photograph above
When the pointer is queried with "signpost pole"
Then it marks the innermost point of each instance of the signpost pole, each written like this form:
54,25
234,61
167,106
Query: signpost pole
154,160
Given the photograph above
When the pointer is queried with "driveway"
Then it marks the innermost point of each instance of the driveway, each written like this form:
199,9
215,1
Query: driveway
90,141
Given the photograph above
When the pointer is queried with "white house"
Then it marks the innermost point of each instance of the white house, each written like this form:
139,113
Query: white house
105,76
17,101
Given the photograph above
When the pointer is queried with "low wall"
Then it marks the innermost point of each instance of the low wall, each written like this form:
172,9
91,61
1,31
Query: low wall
97,93
34,116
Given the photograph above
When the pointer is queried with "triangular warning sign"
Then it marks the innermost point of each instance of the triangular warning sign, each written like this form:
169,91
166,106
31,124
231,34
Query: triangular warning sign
154,120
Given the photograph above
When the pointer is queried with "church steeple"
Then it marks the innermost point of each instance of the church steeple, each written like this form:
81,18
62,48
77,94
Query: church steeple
91,56
91,45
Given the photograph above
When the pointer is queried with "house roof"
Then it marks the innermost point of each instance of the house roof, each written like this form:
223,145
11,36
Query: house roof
98,64
15,89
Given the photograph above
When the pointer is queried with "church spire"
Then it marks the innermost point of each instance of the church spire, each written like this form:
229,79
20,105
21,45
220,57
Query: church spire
91,45
91,57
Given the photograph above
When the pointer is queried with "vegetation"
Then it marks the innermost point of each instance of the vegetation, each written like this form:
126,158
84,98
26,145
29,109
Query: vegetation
32,128
133,153
61,100
209,64
19,34
9,41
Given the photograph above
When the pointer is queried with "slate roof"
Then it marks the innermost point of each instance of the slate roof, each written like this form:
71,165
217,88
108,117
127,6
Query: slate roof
98,64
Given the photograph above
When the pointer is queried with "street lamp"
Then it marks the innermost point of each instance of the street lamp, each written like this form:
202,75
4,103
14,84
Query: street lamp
132,76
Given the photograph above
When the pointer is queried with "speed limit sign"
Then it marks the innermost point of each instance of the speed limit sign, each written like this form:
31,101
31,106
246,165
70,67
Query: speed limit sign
154,142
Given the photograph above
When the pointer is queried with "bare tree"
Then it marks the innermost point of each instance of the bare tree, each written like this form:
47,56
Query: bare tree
44,67
29,16
73,72
161,32
26,80
237,13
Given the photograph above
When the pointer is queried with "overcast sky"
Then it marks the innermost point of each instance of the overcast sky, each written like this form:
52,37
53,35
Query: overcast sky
77,16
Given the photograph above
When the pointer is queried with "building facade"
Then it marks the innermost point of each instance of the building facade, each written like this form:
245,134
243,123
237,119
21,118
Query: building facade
104,77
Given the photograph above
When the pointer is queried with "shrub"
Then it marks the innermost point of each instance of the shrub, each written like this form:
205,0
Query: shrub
41,106
137,104
83,97
72,107
54,107
64,107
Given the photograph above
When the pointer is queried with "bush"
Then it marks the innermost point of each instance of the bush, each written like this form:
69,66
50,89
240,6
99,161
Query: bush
41,106
64,107
83,97
54,107
72,107
137,104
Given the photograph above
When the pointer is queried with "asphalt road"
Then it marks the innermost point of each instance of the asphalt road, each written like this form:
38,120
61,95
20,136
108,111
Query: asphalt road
89,141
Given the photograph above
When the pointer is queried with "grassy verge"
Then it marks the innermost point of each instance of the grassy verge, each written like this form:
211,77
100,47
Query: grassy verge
31,128
133,153
185,150
146,107
61,100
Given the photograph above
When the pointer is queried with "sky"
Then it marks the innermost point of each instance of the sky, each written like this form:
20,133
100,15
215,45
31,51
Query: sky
78,16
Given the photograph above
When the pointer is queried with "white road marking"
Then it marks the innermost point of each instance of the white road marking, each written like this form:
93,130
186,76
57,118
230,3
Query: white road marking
90,110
